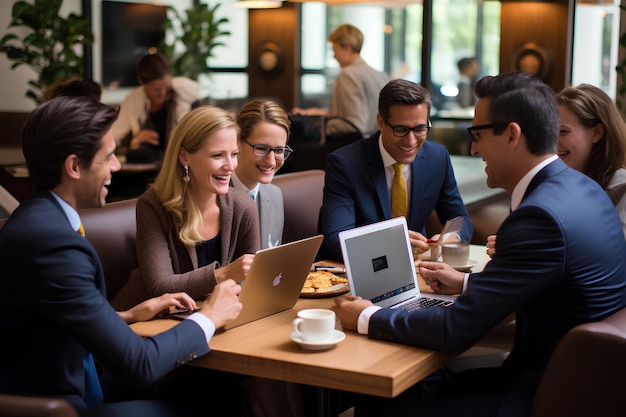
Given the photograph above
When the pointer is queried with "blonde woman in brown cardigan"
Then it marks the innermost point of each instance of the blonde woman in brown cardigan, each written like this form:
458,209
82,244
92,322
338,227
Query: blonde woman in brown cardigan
193,230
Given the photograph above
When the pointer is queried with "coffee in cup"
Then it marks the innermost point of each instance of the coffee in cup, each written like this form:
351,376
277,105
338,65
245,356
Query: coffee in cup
456,254
314,325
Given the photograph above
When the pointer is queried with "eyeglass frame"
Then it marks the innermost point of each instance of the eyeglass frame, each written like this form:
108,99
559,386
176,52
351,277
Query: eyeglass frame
410,129
494,126
285,148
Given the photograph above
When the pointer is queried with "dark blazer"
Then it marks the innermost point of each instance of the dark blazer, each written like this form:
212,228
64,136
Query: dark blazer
54,311
560,261
356,193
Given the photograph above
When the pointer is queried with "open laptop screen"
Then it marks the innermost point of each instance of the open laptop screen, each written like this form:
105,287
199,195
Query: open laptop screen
379,262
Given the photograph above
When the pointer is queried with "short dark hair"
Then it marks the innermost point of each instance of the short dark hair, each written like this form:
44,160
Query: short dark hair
61,127
402,92
523,98
152,67
74,86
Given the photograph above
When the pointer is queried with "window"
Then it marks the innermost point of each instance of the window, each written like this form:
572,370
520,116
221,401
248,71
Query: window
393,42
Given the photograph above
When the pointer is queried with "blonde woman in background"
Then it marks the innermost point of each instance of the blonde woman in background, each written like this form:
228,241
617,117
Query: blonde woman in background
193,229
262,152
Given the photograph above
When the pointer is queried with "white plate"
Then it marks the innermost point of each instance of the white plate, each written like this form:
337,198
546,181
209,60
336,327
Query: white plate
336,337
467,267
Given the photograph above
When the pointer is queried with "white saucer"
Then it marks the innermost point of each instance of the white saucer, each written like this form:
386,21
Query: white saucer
467,267
336,337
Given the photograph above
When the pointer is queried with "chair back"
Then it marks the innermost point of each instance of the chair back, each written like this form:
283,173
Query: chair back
586,373
302,199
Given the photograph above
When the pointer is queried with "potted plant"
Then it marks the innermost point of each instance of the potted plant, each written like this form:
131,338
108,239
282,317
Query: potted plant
48,45
195,38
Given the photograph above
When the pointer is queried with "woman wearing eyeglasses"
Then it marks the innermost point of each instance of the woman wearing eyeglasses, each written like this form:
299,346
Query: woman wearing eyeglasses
262,152
193,229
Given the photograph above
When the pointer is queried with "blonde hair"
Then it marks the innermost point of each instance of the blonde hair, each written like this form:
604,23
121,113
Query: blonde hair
191,133
347,35
258,111
592,106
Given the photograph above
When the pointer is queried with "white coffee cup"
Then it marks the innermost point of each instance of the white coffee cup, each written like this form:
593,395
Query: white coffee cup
456,254
314,325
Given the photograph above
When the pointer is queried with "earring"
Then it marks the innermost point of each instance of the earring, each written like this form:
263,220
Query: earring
186,177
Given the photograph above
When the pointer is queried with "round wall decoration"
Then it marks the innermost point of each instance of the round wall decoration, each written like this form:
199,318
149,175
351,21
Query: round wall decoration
534,59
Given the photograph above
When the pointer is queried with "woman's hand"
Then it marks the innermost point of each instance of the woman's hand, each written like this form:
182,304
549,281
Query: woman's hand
145,136
158,305
491,245
236,270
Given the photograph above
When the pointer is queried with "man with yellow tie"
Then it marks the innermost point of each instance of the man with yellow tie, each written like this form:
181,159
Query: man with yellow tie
395,172
55,314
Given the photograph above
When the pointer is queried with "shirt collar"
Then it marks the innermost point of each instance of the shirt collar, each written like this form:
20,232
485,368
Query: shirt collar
240,185
70,213
522,185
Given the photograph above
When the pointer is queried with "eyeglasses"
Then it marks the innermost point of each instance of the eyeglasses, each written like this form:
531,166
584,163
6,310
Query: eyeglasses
472,129
280,152
401,131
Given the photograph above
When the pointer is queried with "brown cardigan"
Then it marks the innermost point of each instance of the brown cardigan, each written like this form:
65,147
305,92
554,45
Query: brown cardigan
166,265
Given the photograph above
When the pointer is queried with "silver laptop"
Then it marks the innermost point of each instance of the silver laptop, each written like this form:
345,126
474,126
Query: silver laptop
275,279
380,268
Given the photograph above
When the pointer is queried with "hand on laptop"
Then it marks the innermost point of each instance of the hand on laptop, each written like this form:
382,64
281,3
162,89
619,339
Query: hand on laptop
223,305
236,270
348,309
157,305
442,278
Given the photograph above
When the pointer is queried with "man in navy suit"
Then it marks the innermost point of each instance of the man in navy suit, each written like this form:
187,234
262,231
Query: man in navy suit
359,176
52,290
559,261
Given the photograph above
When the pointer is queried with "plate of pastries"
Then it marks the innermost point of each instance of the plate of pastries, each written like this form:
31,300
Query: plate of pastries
323,284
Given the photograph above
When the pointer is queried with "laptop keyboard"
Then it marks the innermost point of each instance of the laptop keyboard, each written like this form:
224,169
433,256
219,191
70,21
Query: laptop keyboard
424,302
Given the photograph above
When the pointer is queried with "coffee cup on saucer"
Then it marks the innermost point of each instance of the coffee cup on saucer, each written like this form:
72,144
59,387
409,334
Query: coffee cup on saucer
455,254
314,325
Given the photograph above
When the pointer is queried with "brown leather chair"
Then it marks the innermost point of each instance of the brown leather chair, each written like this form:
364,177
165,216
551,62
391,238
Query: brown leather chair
586,373
112,231
302,199
25,406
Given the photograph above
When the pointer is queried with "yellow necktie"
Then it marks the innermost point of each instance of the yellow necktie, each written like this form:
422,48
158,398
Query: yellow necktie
398,192
81,230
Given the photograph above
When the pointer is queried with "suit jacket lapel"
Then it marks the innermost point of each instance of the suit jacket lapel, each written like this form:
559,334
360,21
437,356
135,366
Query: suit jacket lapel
376,171
417,185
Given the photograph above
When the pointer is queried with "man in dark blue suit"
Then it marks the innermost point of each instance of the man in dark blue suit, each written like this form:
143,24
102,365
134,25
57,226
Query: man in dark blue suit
559,261
54,309
359,176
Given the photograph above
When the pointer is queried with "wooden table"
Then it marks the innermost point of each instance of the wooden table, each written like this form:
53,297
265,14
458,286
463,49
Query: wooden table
358,364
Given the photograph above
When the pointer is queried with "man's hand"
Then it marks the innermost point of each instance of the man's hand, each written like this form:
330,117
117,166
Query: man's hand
418,242
237,270
348,309
158,305
223,305
442,278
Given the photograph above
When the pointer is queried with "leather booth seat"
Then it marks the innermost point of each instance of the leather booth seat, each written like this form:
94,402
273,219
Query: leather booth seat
585,375
27,406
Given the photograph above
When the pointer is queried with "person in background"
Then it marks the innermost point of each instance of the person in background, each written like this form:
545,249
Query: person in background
559,262
468,71
52,289
262,152
593,140
74,86
355,94
151,111
193,230
359,177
